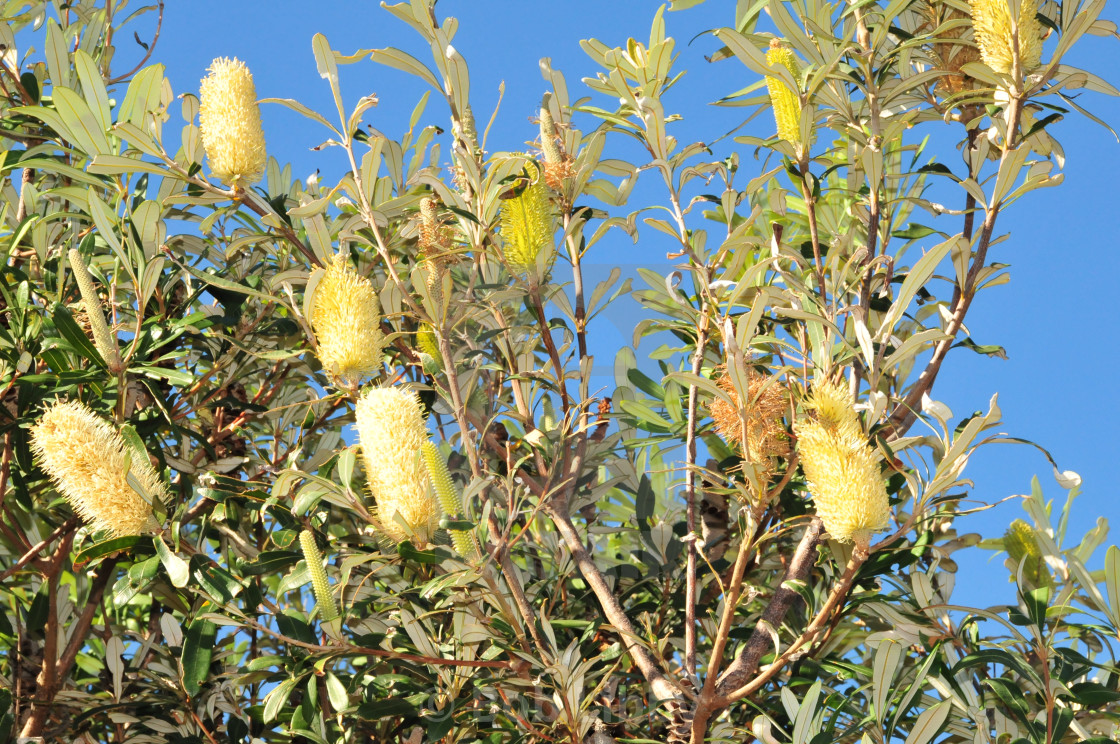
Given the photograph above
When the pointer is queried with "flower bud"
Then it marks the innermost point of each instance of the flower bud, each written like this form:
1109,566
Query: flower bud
104,341
328,611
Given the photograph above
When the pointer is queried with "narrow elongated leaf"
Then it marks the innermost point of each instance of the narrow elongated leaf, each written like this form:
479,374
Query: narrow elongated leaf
198,650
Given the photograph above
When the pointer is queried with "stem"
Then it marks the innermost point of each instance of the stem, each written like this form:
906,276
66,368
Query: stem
690,501
905,413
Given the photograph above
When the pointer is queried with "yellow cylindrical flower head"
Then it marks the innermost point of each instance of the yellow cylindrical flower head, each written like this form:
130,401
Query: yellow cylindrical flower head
1019,542
103,340
392,434
527,223
231,123
786,102
346,318
462,540
90,463
841,468
997,34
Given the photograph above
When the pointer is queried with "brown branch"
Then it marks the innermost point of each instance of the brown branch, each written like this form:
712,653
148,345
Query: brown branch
68,526
746,665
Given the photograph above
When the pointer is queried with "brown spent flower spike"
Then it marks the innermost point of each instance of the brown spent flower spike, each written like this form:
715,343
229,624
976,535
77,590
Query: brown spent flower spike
230,123
764,436
90,462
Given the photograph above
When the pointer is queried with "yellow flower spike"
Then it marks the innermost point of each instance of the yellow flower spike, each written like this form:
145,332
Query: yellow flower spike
328,611
346,318
103,339
1019,542
786,102
996,34
841,468
427,343
392,434
527,223
230,123
90,464
462,540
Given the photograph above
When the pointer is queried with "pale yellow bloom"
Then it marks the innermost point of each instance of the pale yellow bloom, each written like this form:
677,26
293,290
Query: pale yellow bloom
89,461
841,468
996,34
1019,542
391,433
786,103
526,223
346,318
231,123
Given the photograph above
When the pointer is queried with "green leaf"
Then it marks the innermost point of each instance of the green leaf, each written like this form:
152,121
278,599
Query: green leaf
1112,582
75,337
389,707
104,548
178,570
198,650
929,723
277,698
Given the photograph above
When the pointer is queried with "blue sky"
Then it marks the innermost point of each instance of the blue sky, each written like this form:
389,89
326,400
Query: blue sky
1056,317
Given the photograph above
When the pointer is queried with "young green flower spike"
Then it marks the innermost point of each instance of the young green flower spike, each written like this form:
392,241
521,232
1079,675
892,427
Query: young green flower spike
1020,543
103,339
346,318
786,103
231,123
999,36
392,433
527,223
841,468
462,540
91,465
328,611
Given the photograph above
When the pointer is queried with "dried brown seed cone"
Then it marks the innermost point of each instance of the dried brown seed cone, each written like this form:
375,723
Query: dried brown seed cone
764,437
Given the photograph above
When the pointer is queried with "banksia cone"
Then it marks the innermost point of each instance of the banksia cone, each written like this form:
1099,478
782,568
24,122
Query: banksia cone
953,49
231,123
997,34
526,223
391,432
90,464
427,343
786,102
764,437
462,540
103,340
345,315
1019,542
328,611
557,165
841,468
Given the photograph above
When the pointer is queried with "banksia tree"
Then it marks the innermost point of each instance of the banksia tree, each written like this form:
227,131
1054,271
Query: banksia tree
345,315
1002,39
841,467
598,534
92,466
230,122
392,434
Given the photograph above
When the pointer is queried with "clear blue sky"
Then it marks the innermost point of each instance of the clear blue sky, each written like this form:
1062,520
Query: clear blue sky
1056,318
